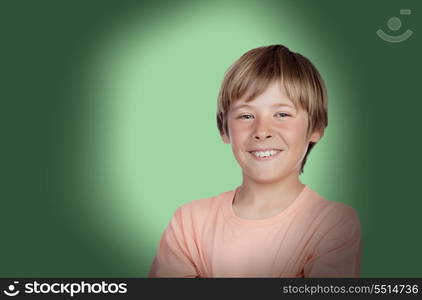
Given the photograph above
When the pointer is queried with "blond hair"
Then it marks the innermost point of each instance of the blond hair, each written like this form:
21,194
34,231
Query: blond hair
255,70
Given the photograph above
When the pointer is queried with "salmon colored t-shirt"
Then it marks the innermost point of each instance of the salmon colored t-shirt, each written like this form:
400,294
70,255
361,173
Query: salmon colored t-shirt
312,237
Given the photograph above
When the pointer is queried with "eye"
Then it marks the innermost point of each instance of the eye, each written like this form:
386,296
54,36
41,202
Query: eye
245,117
282,115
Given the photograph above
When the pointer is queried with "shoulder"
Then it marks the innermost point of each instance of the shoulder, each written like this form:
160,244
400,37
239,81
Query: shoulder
329,214
329,207
199,210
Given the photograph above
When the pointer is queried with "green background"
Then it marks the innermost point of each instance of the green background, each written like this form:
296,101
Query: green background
108,124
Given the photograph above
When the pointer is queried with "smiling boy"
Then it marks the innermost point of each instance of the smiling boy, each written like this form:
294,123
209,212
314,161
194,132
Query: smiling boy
272,109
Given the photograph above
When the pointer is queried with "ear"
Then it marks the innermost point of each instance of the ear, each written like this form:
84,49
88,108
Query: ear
225,138
316,136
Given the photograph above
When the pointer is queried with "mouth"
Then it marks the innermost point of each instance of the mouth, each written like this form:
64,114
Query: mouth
266,154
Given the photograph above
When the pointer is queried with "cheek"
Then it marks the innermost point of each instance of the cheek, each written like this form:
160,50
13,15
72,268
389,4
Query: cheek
238,133
294,133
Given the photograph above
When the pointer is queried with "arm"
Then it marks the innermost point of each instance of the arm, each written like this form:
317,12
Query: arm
173,257
338,252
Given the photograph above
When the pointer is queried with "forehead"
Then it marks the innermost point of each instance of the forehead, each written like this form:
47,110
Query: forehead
274,96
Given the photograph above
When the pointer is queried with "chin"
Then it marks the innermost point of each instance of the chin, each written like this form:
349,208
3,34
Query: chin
270,176
265,179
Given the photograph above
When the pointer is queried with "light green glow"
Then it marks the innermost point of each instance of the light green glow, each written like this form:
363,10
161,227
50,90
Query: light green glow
151,138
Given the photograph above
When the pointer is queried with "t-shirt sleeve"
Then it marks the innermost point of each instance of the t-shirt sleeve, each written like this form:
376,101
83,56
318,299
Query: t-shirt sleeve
338,251
174,257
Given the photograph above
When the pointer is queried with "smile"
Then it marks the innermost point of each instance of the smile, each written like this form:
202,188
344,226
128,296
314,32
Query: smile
265,155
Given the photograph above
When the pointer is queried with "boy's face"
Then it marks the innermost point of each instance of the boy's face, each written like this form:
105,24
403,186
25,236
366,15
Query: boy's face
269,136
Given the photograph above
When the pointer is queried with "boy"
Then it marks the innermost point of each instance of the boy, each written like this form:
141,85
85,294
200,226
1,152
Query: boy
272,109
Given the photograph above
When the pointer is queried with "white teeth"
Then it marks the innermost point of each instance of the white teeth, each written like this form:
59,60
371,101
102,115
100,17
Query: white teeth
264,153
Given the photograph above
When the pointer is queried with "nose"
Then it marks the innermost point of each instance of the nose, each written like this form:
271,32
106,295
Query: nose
263,136
262,131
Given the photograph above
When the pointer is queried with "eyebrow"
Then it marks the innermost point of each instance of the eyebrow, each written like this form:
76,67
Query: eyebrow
272,106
